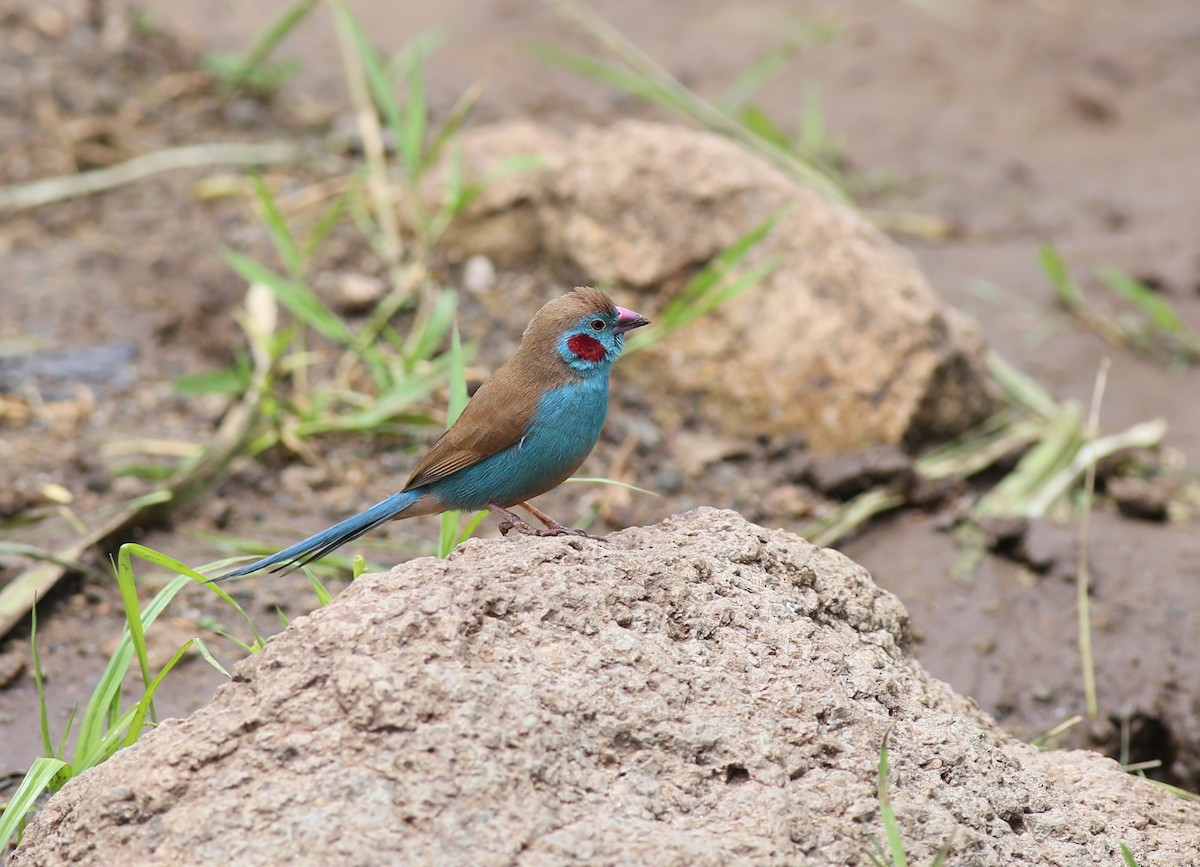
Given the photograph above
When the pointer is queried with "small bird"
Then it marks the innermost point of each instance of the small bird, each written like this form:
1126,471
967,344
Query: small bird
525,431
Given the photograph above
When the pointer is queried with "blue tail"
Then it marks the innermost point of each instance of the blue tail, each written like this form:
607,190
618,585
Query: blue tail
317,546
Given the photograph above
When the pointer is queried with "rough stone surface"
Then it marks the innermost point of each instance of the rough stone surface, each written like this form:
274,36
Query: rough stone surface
844,340
701,692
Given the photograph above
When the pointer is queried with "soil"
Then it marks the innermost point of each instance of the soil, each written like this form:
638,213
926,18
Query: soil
1069,122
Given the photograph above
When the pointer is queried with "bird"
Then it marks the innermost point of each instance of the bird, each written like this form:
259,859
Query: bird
523,433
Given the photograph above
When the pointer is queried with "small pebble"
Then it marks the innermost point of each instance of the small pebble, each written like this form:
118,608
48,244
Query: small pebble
479,274
358,293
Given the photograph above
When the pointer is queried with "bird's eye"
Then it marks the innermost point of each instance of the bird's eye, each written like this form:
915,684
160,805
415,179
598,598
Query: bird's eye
597,325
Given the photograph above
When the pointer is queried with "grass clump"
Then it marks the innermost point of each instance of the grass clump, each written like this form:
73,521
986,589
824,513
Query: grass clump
1153,328
253,71
805,156
109,720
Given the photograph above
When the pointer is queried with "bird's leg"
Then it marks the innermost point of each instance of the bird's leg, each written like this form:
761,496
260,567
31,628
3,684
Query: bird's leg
513,521
553,524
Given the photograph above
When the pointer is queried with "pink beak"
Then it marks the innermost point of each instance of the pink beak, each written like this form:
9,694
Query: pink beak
627,320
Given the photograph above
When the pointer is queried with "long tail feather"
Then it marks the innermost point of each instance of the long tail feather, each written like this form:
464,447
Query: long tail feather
318,545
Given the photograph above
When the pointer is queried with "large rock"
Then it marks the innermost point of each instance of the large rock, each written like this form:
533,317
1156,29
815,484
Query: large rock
844,340
700,692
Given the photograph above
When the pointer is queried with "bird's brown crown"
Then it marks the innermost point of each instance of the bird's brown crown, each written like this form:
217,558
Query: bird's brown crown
558,315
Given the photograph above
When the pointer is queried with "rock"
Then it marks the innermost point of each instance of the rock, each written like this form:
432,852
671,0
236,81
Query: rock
1050,549
504,222
359,293
479,274
12,665
844,341
699,692
1147,499
847,475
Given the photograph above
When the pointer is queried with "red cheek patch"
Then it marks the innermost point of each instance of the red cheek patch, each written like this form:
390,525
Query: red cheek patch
586,348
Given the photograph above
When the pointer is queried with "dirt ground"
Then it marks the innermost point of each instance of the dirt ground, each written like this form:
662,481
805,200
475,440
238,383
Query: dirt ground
1071,122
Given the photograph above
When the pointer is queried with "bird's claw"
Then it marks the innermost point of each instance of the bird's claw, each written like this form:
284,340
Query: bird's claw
569,531
553,528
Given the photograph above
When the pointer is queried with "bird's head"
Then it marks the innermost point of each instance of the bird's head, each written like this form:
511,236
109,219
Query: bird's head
586,328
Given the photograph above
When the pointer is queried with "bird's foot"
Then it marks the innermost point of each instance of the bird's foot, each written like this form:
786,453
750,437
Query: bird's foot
513,521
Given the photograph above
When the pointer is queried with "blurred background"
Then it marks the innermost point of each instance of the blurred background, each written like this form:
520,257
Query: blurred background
1037,158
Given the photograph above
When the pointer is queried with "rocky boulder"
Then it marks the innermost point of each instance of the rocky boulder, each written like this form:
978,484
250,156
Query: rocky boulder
843,339
703,691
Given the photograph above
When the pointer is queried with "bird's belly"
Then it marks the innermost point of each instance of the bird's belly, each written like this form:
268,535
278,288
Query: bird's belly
562,434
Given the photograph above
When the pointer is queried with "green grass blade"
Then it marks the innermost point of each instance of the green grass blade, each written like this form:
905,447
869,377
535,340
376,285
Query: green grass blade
210,659
297,297
1127,856
108,744
424,341
1175,790
756,75
145,705
133,611
454,195
392,403
1145,435
472,525
599,480
890,826
1049,736
416,115
323,594
1161,314
187,573
230,381
274,35
943,853
1021,387
732,289
1066,290
713,286
458,115
377,78
761,124
40,684
1016,493
851,515
327,221
609,74
458,195
101,711
448,535
37,780
813,138
62,742
655,83
277,228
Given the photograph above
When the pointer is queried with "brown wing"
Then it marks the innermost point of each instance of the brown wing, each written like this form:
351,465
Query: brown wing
494,419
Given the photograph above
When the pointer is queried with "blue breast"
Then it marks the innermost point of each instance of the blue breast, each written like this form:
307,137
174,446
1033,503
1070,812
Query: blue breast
564,429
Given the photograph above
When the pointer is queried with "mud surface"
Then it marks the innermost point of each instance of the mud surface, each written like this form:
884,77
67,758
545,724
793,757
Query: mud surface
1069,122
